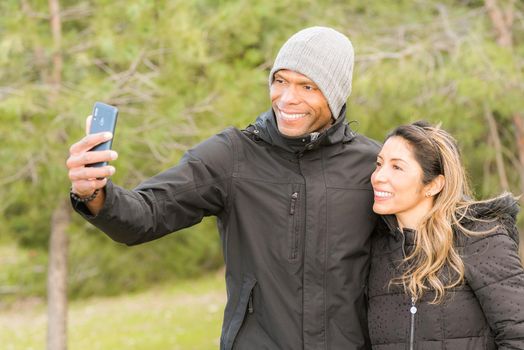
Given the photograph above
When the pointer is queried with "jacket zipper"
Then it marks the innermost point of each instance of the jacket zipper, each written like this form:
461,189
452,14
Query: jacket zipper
413,308
294,242
413,311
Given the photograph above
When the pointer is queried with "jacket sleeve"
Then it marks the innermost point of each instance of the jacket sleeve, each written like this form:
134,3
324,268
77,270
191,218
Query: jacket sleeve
174,199
494,271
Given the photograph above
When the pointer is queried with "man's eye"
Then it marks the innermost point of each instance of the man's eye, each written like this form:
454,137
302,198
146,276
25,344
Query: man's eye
308,87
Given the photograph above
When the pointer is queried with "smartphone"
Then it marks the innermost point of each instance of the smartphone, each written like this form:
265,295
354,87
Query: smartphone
104,119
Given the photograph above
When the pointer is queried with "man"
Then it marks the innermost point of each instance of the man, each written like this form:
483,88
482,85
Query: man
293,200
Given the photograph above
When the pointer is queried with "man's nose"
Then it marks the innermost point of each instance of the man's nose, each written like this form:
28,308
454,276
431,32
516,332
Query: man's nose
289,95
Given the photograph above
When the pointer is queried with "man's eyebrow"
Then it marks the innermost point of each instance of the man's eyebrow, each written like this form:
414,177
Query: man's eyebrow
307,82
300,81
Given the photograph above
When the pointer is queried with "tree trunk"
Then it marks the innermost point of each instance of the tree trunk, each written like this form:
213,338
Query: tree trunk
502,21
56,31
58,242
57,278
518,122
494,134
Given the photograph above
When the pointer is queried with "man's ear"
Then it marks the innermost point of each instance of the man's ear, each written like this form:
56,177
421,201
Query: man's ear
435,186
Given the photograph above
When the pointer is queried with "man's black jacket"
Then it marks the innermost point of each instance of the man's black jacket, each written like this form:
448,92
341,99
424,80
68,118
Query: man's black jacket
295,221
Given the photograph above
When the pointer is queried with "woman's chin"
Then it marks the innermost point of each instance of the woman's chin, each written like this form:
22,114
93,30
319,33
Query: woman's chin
381,210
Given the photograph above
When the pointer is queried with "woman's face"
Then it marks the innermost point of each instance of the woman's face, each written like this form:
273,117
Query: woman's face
397,184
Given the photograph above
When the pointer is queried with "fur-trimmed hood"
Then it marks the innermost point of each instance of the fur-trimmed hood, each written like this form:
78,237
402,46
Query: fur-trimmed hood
501,210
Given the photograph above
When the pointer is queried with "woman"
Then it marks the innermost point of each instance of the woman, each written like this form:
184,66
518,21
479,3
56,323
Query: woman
445,270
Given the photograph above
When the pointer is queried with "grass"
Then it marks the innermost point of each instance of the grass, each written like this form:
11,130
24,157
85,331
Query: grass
187,315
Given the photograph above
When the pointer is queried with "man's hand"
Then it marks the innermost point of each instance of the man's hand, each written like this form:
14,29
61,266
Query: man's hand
86,180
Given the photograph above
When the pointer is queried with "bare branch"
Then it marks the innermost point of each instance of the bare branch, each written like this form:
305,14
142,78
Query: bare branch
154,150
76,12
72,13
486,170
501,23
494,135
123,77
29,12
446,23
82,46
6,91
28,168
379,56
447,90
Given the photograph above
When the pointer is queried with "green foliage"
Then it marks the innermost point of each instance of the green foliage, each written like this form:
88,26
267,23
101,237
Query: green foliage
181,70
95,260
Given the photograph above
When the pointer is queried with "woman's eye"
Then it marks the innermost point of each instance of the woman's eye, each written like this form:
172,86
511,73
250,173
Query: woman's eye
396,167
378,164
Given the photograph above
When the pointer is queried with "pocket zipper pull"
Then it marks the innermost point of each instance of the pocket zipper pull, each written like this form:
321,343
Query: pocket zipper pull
250,303
294,197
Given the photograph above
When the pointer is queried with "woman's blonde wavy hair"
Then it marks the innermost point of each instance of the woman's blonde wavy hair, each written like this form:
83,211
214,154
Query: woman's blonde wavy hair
434,264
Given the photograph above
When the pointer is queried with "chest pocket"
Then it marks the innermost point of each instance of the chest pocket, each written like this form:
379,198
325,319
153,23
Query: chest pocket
294,225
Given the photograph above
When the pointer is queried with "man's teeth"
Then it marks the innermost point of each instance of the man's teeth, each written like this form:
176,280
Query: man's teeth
291,116
383,194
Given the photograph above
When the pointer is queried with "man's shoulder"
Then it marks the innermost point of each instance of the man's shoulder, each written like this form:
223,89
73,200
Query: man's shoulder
365,143
369,141
229,132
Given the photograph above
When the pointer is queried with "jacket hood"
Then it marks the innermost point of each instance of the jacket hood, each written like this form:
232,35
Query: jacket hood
504,207
501,210
265,127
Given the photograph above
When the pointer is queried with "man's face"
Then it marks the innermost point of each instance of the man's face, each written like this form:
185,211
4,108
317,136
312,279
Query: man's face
299,105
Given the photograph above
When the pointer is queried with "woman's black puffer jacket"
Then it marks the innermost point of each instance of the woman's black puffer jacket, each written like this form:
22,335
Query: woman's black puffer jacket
485,312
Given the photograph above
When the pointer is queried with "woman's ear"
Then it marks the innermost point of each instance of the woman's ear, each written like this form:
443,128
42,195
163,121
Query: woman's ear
435,186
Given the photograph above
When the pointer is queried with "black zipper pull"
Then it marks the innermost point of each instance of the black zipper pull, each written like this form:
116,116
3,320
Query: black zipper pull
294,198
250,303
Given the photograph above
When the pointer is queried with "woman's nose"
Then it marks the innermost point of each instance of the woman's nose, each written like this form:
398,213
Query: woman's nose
378,175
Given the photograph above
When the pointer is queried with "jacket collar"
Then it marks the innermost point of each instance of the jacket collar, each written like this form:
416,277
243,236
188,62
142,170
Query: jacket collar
390,226
266,128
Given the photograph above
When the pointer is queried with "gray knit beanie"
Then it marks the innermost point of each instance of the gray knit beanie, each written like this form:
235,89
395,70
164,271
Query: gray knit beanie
324,56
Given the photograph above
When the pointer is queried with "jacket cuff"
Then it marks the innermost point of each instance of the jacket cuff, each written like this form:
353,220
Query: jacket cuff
83,210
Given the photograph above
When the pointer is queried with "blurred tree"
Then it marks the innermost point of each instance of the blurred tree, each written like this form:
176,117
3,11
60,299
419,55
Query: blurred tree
58,241
181,71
